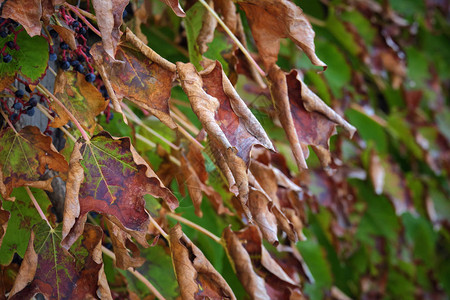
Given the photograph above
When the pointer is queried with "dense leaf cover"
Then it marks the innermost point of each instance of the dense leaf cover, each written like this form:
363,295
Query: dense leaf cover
246,149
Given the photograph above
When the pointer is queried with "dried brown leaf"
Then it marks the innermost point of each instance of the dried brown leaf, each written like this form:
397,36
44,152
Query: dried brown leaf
133,76
271,20
28,13
306,119
253,263
67,34
4,218
127,253
109,18
176,7
206,34
195,274
254,284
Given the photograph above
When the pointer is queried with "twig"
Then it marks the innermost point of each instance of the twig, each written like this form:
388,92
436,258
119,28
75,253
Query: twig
177,115
196,227
76,11
111,92
189,137
46,92
63,129
136,274
8,121
233,37
152,144
52,71
38,208
130,114
161,231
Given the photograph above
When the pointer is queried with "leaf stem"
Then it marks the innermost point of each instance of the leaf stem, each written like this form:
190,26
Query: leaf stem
46,92
192,139
38,208
196,227
77,11
131,115
175,112
161,231
233,37
136,274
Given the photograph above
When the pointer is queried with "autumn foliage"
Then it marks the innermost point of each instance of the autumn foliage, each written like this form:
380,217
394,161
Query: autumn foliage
246,149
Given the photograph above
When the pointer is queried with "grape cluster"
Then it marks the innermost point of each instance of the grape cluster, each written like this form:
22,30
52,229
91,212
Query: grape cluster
78,59
8,28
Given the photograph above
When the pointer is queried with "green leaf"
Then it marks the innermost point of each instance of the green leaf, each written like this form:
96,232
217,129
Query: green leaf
31,59
23,216
420,233
338,73
158,269
314,257
379,218
193,20
369,129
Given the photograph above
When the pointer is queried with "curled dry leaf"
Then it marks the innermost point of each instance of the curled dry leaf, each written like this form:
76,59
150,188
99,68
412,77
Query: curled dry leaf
29,13
195,176
223,114
281,197
67,34
80,97
231,127
206,34
265,278
195,274
24,157
242,264
108,176
49,269
109,18
127,253
271,20
260,208
176,7
227,9
306,119
133,76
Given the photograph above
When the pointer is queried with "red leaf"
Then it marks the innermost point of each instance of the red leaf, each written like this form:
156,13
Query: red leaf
107,175
49,269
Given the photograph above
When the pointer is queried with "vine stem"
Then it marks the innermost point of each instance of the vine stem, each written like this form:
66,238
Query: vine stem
233,37
8,121
38,208
196,227
136,274
46,92
76,11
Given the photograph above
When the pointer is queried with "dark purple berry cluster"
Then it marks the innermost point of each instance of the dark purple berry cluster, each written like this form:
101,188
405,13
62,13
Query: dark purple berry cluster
78,59
8,29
